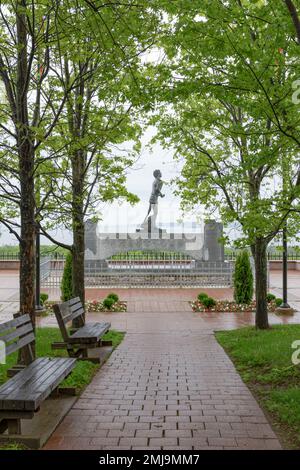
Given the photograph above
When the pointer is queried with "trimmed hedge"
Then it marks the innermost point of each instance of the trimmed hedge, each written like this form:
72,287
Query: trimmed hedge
66,282
243,279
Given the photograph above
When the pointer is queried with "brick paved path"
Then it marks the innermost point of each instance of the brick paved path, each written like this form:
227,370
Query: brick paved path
169,385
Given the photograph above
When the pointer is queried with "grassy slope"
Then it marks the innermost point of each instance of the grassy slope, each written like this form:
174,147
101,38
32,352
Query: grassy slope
263,358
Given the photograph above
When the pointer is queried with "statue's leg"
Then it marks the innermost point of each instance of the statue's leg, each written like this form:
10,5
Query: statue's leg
155,211
149,210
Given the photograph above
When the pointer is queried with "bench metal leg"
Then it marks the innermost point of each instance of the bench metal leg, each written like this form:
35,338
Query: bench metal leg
3,425
14,426
85,353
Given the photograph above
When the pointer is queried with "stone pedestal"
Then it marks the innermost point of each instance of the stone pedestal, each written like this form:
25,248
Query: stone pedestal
213,248
199,246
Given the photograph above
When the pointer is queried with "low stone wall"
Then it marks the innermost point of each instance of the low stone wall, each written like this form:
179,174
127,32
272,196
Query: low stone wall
14,265
6,265
276,265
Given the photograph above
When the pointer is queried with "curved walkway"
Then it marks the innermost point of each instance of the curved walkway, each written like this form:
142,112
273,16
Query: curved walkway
169,385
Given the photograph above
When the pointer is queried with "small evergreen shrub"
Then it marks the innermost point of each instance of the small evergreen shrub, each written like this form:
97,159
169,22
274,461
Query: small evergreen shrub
108,303
43,297
113,296
202,296
243,279
208,302
66,282
278,302
270,297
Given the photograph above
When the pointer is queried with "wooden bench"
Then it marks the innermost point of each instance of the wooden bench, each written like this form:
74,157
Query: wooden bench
22,395
88,336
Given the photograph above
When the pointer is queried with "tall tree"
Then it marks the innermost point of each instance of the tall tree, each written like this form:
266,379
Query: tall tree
100,114
231,68
32,34
26,29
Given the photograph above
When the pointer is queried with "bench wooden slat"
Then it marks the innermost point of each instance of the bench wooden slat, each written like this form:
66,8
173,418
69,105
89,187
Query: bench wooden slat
15,381
35,383
42,377
27,328
90,332
87,335
74,301
75,307
16,322
43,388
67,309
30,382
73,315
19,344
62,372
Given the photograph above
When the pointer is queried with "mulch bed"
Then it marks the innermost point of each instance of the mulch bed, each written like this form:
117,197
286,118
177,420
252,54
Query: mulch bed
229,306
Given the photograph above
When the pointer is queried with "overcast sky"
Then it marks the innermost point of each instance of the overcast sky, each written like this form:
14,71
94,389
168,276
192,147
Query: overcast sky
139,182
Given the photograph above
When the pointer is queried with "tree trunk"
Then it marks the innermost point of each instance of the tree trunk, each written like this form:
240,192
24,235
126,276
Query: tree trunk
27,245
26,174
259,252
78,230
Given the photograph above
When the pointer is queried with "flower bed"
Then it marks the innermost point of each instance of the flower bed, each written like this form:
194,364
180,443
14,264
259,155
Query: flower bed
47,308
90,306
229,306
97,306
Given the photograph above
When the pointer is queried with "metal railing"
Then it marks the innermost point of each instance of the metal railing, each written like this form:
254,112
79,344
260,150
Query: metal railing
176,272
51,272
146,273
272,256
7,256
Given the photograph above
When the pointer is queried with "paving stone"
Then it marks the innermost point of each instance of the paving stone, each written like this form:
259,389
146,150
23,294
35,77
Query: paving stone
169,385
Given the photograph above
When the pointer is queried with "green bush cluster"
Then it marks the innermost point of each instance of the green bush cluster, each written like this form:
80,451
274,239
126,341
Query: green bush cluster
209,302
110,300
113,296
206,301
108,303
243,279
202,296
43,297
270,297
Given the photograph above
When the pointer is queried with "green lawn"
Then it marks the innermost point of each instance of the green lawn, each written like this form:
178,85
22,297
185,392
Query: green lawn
83,371
263,358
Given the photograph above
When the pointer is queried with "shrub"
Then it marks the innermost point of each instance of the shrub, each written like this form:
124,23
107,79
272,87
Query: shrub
66,282
43,297
208,302
202,296
243,279
108,303
113,296
270,297
278,302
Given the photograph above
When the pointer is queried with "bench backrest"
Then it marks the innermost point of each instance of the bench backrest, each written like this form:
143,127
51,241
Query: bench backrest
67,312
17,334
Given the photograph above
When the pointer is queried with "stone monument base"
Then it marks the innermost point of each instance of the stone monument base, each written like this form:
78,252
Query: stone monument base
204,246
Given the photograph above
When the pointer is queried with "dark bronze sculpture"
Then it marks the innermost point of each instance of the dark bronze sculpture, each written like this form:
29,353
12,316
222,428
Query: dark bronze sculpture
149,223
